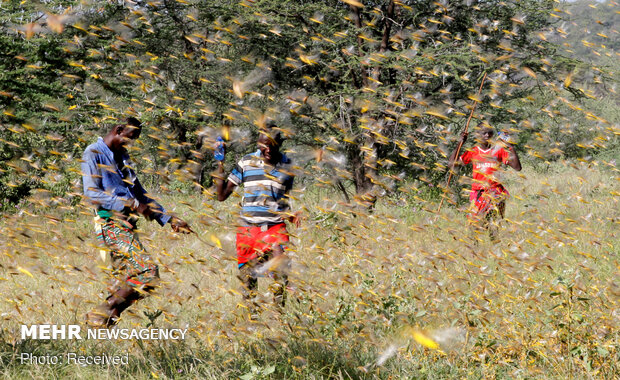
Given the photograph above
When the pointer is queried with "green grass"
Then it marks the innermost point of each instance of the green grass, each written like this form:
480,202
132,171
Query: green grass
542,304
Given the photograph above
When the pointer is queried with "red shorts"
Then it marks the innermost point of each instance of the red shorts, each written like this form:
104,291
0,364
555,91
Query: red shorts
484,201
253,242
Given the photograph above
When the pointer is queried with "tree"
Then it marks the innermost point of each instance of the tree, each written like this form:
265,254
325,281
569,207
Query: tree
38,124
377,90
385,83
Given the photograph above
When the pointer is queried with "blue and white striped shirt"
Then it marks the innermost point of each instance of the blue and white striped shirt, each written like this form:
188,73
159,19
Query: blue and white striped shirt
266,189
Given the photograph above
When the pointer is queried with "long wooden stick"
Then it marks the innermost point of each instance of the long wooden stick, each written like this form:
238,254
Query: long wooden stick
458,149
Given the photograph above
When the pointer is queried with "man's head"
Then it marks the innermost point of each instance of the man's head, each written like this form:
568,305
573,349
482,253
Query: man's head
124,133
269,143
485,133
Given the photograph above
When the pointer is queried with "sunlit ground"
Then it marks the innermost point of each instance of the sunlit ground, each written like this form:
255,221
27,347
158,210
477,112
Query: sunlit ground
541,304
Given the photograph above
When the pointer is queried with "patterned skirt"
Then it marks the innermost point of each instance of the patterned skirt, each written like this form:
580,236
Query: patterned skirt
131,265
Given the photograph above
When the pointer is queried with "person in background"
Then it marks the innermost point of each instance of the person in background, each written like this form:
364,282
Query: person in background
487,195
112,187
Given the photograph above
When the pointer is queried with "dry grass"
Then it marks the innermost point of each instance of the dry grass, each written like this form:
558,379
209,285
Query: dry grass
542,304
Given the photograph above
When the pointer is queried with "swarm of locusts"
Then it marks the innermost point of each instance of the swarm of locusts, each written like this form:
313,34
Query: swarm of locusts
354,189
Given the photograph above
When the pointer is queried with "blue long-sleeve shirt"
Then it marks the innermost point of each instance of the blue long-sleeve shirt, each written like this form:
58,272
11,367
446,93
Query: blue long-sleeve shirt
112,188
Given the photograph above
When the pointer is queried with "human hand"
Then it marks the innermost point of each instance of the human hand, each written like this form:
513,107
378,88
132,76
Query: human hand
144,210
179,225
295,219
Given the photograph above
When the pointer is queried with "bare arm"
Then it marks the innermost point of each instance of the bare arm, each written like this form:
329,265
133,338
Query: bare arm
513,159
453,157
223,188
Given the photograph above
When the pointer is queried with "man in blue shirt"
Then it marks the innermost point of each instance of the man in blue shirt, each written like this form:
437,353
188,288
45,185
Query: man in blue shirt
111,186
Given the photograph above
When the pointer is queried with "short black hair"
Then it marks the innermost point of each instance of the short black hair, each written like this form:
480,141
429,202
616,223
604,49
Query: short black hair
484,125
134,122
272,131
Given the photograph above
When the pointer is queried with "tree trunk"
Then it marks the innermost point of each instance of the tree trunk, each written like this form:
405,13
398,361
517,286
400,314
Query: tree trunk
356,161
363,168
198,165
361,161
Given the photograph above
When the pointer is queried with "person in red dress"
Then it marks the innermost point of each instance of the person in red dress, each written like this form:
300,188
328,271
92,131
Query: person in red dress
487,195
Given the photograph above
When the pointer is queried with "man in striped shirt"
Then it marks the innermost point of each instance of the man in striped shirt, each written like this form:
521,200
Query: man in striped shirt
267,178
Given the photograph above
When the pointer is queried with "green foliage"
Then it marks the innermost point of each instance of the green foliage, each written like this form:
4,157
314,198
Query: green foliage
385,88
